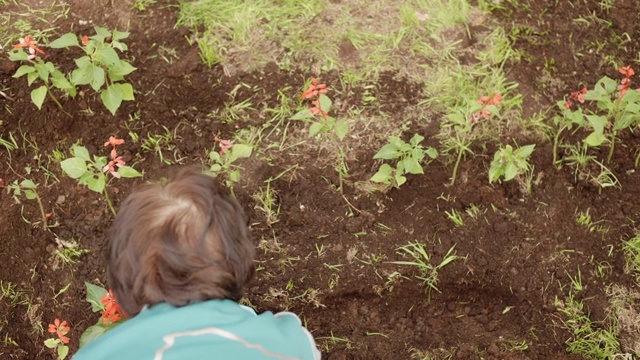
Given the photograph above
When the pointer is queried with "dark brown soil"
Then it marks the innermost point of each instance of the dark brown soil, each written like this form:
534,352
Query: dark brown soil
328,258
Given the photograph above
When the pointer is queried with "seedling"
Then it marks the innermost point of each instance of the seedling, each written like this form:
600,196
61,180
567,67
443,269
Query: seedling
509,163
29,190
93,172
631,250
422,260
223,161
409,158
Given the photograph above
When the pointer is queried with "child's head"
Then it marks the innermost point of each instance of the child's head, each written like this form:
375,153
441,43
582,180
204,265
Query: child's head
179,241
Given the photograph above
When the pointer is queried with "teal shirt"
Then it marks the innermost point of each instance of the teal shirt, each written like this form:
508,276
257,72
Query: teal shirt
214,329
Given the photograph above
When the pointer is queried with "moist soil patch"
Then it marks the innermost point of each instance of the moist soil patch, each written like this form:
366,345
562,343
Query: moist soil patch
329,255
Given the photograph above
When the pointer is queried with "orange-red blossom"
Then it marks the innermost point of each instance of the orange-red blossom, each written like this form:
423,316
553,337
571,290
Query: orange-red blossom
31,44
112,311
61,329
625,83
486,101
116,161
224,144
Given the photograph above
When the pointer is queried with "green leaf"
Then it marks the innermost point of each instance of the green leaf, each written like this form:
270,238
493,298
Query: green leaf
51,343
315,128
128,172
30,194
63,351
98,78
383,175
38,95
412,166
239,151
111,98
594,139
400,180
302,115
432,152
31,77
64,41
28,184
510,171
525,151
416,139
388,152
341,128
93,332
95,294
83,75
126,90
58,80
117,72
107,56
24,69
97,184
119,35
18,55
75,167
80,152
325,103
102,32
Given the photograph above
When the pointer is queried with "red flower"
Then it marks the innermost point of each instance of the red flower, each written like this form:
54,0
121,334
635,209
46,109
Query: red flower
627,71
84,39
112,311
494,100
316,109
579,95
315,89
113,141
568,104
111,166
61,329
31,44
224,144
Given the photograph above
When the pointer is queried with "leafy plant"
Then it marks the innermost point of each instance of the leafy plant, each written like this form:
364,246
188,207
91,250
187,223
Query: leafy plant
92,173
509,163
101,65
457,131
38,69
223,161
324,124
422,260
616,109
409,156
102,301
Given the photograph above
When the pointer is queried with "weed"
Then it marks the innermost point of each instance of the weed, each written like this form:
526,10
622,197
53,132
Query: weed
142,5
422,260
29,190
631,249
267,199
456,217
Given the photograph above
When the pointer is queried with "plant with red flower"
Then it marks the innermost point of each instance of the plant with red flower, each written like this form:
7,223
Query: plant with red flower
112,312
322,123
223,162
93,172
61,329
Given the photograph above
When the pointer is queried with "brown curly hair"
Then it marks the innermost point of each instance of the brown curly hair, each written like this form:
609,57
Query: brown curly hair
179,241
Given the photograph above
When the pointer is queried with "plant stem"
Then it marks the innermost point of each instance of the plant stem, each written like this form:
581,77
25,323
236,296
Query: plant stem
613,144
106,196
556,139
56,101
42,213
455,167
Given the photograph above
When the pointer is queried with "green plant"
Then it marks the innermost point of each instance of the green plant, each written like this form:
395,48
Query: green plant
422,260
29,190
223,161
593,342
324,124
93,172
104,302
101,65
457,131
509,163
631,250
616,109
409,156
142,4
60,344
267,199
46,72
